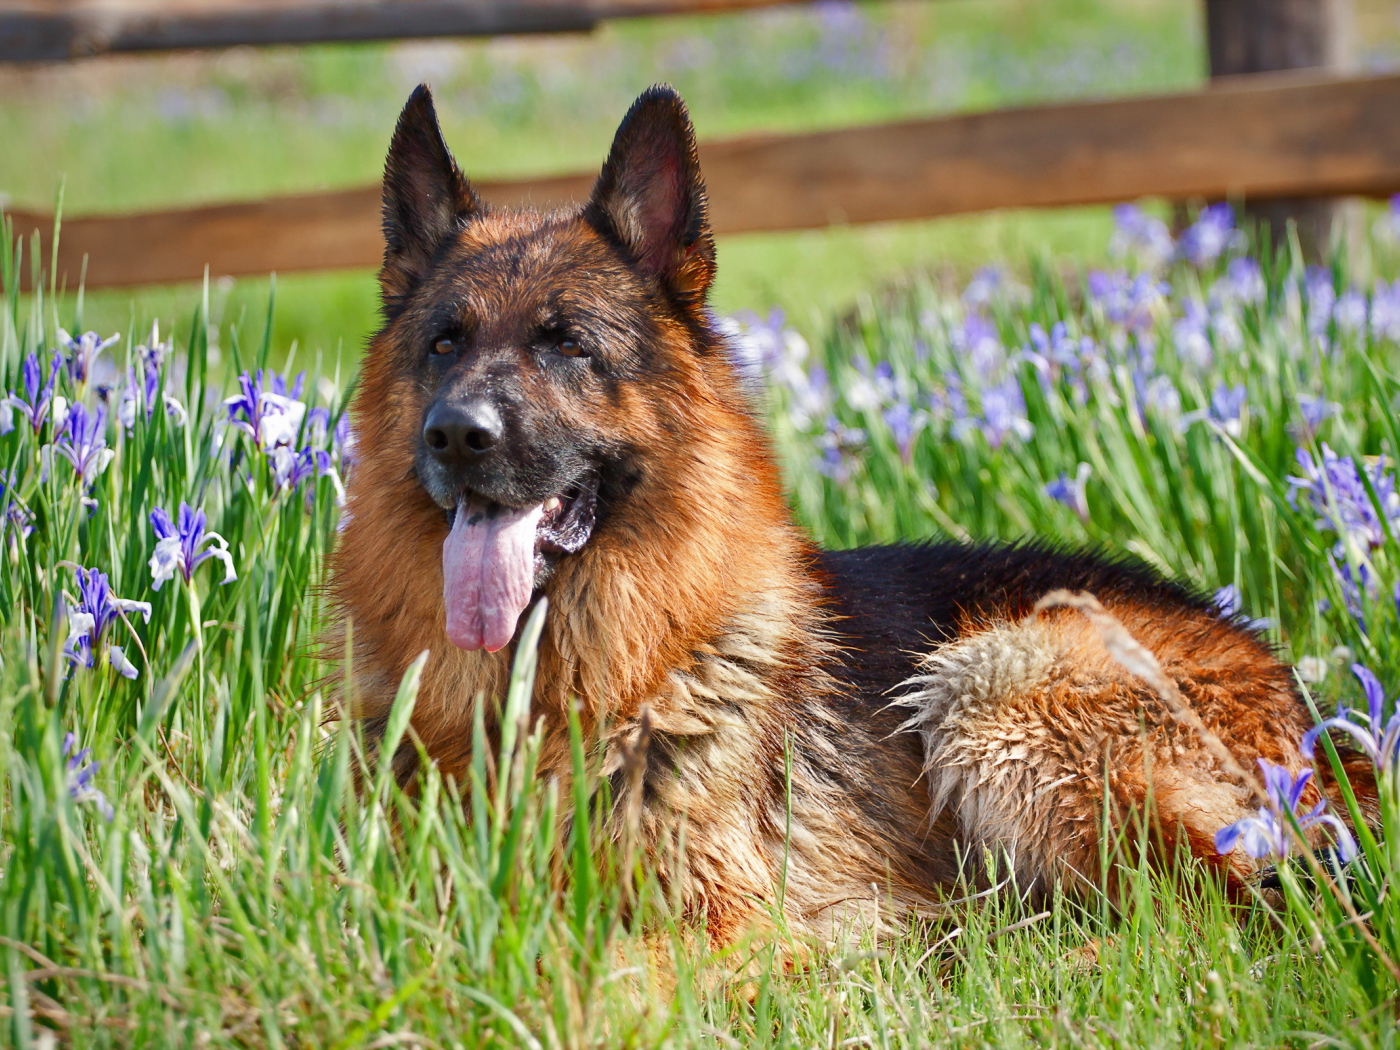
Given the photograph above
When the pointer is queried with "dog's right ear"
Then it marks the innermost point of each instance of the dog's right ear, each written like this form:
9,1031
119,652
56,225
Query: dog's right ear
650,197
426,197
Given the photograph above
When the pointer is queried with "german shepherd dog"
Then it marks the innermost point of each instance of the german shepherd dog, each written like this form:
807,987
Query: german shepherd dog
549,410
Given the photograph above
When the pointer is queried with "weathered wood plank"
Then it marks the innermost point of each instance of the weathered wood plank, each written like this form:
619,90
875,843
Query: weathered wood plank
47,32
1266,36
1254,138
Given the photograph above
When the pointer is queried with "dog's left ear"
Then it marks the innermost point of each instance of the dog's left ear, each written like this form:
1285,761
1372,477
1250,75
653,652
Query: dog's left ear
426,197
650,198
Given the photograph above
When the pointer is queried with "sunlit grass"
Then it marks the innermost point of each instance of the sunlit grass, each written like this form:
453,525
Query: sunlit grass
245,892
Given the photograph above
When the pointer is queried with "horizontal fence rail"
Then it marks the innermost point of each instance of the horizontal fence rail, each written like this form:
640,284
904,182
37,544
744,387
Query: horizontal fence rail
40,31
1259,137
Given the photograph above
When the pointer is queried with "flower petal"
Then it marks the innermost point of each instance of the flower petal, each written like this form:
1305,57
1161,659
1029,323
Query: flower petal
166,561
1345,841
80,627
128,605
1263,836
1228,837
1360,734
116,656
1375,693
176,411
222,553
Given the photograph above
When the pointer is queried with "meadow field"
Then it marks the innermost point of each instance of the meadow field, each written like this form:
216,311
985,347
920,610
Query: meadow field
192,850
187,860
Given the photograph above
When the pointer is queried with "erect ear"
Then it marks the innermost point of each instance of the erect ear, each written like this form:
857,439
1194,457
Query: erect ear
426,198
650,197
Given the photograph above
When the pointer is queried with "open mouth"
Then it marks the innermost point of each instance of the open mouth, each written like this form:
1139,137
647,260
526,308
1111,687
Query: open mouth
492,555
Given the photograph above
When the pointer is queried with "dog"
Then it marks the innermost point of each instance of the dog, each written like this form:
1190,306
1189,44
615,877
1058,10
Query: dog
549,410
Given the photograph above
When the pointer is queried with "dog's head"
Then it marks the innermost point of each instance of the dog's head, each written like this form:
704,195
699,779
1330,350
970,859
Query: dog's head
528,349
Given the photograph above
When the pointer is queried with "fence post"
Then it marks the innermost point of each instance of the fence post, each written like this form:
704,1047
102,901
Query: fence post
1261,36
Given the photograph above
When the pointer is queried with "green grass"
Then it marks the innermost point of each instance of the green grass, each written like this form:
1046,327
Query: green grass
245,893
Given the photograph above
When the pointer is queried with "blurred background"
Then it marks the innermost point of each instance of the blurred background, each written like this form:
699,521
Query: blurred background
122,133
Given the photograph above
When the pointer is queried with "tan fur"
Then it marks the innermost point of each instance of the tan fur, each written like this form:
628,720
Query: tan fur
1030,726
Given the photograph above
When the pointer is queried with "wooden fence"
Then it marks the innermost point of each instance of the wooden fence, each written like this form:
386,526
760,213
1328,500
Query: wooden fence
56,30
1263,136
1275,135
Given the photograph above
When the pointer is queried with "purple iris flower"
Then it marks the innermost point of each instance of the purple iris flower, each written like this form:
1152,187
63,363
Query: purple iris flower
1059,349
840,447
272,414
1313,412
1227,403
1385,311
17,520
318,423
983,287
810,398
1230,605
1206,238
1336,490
140,394
1135,232
947,402
343,437
1389,223
1358,583
1379,737
153,351
80,772
1227,601
1243,281
766,350
184,545
871,388
1191,334
89,615
979,343
1072,492
82,353
290,469
1057,356
1128,302
1003,414
84,442
759,345
1226,410
1156,394
1269,833
905,423
1350,311
1321,297
39,400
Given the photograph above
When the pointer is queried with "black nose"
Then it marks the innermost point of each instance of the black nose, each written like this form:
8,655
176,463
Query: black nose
462,432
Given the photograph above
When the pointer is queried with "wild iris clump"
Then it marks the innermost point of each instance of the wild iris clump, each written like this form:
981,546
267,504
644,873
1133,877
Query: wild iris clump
197,849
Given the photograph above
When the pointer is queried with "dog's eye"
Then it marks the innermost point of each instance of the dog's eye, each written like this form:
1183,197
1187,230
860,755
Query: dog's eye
444,346
569,347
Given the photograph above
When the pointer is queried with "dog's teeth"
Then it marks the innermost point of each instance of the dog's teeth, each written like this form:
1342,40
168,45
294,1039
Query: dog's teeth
551,504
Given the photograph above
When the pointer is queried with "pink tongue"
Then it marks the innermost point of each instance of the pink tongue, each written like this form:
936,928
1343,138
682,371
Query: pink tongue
488,573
